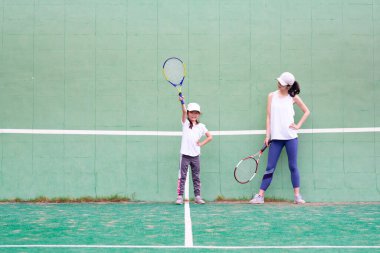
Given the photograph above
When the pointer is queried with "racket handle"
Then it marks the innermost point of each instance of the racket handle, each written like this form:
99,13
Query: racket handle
180,95
265,146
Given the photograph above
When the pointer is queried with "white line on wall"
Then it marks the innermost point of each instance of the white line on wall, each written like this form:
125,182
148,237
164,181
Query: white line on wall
180,247
173,133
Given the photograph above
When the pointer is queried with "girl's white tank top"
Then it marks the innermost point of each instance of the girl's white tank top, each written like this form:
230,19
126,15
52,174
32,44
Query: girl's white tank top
281,117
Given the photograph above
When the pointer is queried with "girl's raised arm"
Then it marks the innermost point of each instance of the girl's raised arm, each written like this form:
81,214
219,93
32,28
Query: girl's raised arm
184,111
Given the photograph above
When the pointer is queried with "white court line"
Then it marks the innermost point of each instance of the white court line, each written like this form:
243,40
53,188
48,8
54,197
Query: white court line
170,133
197,247
188,224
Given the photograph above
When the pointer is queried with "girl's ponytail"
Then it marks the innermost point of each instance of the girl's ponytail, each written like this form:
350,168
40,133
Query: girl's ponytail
295,89
191,123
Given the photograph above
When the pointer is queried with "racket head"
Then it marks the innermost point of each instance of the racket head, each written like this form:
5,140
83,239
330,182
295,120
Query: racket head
246,170
174,71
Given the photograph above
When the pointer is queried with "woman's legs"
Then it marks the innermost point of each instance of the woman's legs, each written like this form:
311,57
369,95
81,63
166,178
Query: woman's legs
292,151
273,156
291,147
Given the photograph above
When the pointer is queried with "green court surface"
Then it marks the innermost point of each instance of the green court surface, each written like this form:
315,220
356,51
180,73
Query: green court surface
216,227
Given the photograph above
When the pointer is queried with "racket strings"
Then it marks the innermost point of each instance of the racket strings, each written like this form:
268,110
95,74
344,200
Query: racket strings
174,71
245,170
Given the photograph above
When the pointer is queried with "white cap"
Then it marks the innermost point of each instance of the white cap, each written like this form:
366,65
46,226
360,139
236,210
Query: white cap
286,78
193,107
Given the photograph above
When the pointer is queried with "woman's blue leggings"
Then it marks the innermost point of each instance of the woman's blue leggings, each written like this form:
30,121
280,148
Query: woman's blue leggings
275,149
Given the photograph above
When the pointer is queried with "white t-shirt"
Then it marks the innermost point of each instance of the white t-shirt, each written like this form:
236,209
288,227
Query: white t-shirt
190,137
281,117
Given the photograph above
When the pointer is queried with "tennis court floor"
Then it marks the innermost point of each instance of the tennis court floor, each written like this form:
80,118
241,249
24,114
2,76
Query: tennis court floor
214,227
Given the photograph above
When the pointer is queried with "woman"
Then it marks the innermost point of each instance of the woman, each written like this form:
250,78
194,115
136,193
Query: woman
282,131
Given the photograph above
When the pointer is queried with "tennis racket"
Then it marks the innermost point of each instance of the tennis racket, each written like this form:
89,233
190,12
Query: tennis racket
174,71
246,168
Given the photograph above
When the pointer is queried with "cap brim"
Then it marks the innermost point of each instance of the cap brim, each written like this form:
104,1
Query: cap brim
281,82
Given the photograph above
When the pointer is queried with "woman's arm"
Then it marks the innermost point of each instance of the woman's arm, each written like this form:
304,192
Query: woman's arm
267,136
205,141
306,113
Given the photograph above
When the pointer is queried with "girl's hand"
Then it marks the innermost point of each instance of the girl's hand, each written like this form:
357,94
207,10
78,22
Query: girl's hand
181,98
199,144
294,126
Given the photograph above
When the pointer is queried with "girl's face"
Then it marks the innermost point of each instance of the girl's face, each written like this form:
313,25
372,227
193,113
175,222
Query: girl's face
193,115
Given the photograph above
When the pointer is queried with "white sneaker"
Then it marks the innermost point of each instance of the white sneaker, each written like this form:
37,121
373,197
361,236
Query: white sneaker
298,200
199,200
257,199
179,200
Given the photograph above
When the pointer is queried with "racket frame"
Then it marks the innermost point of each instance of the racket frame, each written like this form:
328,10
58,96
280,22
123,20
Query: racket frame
237,168
256,158
177,85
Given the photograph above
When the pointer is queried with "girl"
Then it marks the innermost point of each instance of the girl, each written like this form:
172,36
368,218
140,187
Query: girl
281,129
192,131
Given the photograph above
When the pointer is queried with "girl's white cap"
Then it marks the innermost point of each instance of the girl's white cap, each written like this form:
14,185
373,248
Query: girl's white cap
286,78
193,107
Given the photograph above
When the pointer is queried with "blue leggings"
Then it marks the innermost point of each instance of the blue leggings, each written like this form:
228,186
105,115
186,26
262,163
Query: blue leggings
275,149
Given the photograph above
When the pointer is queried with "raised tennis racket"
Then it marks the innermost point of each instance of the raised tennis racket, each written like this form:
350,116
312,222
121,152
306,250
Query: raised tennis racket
174,71
246,168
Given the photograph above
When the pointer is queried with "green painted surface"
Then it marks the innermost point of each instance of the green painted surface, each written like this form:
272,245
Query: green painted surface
154,225
97,65
89,224
284,224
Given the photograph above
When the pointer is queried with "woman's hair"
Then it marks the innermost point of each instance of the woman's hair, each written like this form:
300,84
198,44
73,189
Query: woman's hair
294,89
191,123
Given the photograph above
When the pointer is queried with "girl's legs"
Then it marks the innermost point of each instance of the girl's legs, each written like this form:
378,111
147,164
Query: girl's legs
183,173
195,173
273,156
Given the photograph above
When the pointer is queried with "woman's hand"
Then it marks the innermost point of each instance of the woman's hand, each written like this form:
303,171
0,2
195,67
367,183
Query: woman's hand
266,141
294,126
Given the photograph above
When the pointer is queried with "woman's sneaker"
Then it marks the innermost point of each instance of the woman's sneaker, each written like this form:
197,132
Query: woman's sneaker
298,200
179,200
257,199
199,200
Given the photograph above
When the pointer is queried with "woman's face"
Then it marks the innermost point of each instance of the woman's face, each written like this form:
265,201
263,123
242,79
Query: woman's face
280,87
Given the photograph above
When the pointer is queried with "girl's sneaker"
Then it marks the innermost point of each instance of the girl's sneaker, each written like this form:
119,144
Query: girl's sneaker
298,200
257,199
179,200
199,200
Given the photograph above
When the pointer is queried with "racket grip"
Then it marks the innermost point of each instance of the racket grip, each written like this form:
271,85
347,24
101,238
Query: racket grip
265,146
180,95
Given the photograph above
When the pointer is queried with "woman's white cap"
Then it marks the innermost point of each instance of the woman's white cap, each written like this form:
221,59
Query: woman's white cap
193,107
286,78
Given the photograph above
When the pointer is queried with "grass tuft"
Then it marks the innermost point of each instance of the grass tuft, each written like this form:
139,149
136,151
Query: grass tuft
221,198
85,199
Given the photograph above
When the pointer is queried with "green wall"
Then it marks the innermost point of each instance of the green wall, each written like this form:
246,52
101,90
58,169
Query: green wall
96,65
